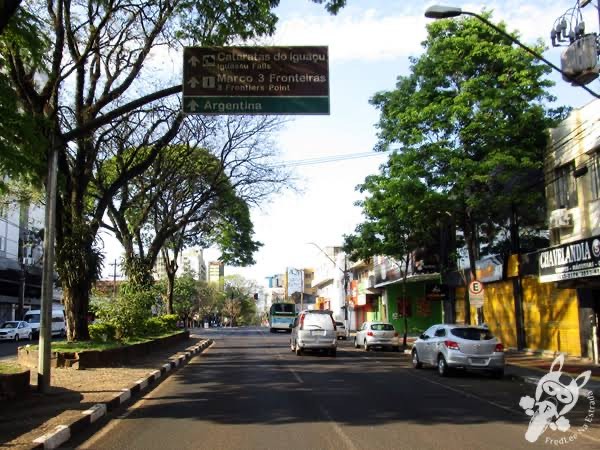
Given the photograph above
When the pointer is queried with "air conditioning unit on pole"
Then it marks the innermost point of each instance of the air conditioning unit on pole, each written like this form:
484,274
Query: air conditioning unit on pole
580,60
560,218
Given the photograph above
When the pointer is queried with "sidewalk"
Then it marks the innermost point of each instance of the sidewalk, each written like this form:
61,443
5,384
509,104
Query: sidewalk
78,398
530,368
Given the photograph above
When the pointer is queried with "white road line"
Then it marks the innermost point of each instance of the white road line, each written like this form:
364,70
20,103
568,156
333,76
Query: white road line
485,400
338,430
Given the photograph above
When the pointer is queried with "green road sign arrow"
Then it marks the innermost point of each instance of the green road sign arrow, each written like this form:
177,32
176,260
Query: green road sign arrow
192,105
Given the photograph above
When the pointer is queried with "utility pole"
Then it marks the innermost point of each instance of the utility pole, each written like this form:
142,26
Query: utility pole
43,376
114,264
345,274
302,291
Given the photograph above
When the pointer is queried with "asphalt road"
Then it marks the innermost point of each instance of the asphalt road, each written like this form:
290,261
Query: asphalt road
249,391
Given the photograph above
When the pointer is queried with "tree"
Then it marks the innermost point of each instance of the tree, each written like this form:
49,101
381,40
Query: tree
20,142
95,84
196,193
238,302
472,113
185,297
401,214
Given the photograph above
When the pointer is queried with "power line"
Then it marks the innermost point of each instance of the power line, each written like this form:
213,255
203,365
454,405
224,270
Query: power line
328,159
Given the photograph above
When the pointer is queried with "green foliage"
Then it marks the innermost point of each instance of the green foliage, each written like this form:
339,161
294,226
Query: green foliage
22,143
235,234
154,326
128,312
470,122
102,332
169,321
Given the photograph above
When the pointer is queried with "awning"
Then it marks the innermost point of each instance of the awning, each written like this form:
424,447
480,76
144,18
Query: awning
411,279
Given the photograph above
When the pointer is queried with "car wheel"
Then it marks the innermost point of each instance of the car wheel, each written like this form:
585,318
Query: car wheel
29,336
366,346
415,360
16,337
355,343
499,374
442,366
298,350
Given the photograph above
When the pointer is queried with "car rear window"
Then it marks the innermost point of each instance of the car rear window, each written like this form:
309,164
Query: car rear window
320,321
472,334
382,327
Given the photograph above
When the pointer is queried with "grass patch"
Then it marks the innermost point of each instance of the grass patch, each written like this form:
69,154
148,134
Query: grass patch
80,346
7,368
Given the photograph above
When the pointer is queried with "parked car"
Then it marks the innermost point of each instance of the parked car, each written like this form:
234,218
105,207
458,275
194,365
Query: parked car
377,334
459,346
59,326
15,330
314,330
340,330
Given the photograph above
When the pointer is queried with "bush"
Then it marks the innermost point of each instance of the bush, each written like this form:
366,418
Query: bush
154,326
169,321
102,332
128,312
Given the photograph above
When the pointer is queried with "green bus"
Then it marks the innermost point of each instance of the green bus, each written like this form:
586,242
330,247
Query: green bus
281,316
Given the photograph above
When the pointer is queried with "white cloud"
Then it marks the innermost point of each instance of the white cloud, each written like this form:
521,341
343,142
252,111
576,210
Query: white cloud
370,36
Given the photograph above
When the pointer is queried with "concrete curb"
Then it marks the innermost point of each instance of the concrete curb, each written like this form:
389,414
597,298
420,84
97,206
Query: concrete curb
534,381
62,433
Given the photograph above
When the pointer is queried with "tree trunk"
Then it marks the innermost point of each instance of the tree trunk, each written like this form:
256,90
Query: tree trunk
138,270
170,289
76,302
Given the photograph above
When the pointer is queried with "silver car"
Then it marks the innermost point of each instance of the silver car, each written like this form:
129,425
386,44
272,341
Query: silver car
314,330
377,334
450,347
341,330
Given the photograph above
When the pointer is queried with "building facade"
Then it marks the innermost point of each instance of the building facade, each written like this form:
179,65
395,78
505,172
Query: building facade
216,274
572,180
20,259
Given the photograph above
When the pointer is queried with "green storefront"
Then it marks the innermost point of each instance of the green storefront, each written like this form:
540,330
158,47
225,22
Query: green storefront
423,303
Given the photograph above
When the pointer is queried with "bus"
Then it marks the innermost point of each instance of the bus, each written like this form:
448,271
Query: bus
281,316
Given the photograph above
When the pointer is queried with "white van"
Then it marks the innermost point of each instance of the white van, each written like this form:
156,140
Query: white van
314,330
59,326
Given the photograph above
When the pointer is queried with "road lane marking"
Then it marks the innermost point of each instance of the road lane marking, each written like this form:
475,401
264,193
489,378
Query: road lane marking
337,429
485,400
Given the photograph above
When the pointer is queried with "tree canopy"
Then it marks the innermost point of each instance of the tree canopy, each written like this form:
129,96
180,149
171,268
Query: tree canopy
85,86
469,128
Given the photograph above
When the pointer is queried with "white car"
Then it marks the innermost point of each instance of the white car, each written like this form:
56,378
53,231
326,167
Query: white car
340,330
377,334
14,330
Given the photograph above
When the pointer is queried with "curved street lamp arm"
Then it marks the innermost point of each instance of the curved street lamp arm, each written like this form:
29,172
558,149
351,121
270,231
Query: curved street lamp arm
532,52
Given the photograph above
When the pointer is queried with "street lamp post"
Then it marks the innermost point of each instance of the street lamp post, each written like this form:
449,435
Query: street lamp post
447,12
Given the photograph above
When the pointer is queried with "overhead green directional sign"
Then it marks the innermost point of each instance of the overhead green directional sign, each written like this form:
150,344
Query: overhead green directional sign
256,80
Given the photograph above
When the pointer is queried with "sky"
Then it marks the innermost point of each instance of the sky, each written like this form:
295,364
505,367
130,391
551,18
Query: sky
370,43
